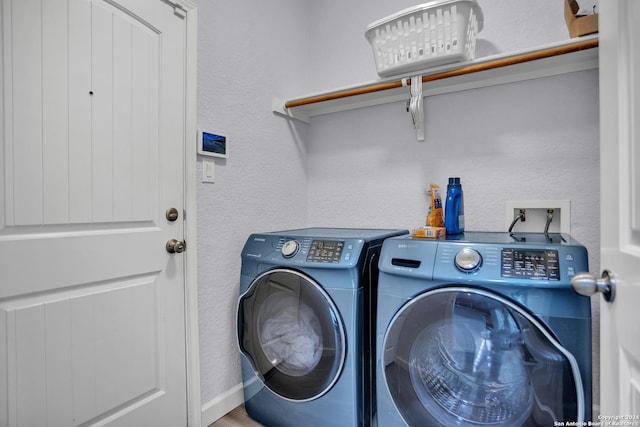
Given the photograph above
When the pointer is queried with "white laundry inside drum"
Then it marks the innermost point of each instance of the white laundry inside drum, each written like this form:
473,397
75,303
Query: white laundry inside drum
464,372
290,335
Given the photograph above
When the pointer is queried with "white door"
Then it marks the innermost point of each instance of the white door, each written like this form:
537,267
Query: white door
92,328
620,207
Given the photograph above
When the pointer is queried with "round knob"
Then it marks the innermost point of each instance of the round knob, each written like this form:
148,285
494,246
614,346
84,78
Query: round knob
468,260
175,246
290,248
172,214
587,285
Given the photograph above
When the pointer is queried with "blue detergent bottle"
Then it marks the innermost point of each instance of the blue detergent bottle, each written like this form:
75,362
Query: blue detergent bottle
454,207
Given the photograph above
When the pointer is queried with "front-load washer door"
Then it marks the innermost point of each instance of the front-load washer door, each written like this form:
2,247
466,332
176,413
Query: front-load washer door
467,357
291,332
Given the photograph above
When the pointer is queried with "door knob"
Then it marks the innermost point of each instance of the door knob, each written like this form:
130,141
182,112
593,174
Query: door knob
176,246
586,284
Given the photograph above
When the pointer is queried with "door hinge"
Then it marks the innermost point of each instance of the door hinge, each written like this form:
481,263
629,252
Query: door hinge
178,10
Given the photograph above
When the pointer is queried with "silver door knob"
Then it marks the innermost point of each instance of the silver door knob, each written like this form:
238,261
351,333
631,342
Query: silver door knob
176,246
586,284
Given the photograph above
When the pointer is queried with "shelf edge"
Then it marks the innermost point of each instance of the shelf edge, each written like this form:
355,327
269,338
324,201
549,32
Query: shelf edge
561,58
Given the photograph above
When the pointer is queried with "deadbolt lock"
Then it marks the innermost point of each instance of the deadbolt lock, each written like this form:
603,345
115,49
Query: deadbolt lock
172,214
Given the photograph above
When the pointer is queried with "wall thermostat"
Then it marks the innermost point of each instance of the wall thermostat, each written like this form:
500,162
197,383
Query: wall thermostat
212,144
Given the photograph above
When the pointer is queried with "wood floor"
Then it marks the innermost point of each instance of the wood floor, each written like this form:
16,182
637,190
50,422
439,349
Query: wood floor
236,418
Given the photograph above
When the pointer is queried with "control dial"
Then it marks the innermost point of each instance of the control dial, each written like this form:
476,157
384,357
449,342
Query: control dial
468,260
290,248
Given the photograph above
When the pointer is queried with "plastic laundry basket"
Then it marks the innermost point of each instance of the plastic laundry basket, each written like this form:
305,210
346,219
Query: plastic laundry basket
427,35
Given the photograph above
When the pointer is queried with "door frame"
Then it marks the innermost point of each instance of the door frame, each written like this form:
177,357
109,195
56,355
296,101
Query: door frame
194,406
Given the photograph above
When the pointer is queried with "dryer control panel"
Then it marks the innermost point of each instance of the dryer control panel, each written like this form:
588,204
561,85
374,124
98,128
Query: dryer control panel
304,251
325,251
316,250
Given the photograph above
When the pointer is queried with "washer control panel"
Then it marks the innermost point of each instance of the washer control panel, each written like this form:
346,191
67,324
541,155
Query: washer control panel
519,260
539,264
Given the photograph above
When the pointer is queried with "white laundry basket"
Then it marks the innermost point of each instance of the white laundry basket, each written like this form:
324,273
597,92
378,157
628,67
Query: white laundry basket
427,35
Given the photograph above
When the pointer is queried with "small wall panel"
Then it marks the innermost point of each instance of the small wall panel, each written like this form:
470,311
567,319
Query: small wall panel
80,171
26,139
78,354
82,139
122,121
55,122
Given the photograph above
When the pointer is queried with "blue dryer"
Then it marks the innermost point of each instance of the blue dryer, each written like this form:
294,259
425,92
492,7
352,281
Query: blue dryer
305,327
483,329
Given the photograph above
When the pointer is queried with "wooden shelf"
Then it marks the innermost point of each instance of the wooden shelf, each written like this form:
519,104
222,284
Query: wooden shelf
558,58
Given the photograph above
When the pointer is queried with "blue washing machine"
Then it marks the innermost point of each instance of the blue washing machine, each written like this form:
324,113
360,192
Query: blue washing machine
483,329
305,327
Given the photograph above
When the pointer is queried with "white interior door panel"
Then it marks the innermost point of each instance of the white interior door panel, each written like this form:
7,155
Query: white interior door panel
92,320
620,209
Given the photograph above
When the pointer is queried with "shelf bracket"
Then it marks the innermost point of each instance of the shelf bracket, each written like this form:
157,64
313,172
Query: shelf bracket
415,106
278,107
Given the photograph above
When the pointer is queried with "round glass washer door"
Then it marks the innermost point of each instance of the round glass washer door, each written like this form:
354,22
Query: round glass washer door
467,357
290,330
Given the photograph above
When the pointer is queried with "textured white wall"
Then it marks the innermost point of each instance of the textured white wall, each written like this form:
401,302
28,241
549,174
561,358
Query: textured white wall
342,55
247,52
530,140
523,141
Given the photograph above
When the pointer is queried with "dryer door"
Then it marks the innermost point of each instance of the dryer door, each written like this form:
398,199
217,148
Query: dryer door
291,332
467,357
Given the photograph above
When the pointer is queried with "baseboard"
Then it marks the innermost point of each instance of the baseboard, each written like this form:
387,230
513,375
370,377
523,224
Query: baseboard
218,407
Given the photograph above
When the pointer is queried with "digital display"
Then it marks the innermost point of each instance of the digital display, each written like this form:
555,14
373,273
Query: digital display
212,144
530,264
325,251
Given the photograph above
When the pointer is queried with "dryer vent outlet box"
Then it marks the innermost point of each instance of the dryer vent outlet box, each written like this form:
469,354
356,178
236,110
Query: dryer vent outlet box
536,213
